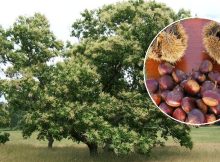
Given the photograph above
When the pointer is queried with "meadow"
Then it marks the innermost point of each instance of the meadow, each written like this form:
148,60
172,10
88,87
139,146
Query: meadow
206,149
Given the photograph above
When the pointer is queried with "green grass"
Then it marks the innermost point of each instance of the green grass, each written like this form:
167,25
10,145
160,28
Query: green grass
206,149
209,134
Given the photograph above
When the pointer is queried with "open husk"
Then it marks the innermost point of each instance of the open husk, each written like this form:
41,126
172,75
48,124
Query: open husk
170,44
211,40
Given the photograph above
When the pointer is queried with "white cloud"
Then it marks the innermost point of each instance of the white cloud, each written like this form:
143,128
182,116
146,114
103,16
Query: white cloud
61,13
204,9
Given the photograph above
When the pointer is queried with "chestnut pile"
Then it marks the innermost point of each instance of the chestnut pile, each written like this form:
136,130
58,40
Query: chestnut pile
192,98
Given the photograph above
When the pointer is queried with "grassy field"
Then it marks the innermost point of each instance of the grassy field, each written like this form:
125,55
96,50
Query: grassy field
206,149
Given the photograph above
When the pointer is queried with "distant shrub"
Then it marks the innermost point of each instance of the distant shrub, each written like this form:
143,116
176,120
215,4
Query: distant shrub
4,138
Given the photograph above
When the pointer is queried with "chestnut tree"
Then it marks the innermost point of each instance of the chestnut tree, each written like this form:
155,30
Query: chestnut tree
27,46
96,96
114,38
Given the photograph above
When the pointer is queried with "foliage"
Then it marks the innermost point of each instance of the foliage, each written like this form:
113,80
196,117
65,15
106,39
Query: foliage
4,137
119,35
96,95
4,115
4,122
32,45
115,38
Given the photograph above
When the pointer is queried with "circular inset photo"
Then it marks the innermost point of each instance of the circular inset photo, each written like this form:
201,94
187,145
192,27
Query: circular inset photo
182,71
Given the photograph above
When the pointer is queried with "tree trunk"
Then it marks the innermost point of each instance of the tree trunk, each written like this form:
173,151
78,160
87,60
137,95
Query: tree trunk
50,141
107,148
93,149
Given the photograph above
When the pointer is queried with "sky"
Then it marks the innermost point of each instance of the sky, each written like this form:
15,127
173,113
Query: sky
201,8
62,13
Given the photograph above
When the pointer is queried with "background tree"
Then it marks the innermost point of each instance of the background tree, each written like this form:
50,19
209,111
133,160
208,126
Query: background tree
5,47
29,46
4,123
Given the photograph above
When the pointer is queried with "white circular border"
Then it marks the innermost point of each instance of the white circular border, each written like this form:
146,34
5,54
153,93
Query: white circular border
146,77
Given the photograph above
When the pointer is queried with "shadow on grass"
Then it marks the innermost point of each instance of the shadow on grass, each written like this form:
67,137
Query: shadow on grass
27,153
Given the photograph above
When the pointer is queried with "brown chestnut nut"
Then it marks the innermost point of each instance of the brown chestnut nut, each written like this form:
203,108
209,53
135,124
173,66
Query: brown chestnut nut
215,109
188,104
166,82
152,85
156,98
165,68
211,98
195,117
207,85
174,98
210,118
202,106
191,87
163,94
166,108
179,114
206,66
214,76
178,75
198,76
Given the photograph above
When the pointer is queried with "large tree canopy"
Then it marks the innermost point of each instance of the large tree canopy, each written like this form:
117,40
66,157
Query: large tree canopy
115,38
96,95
